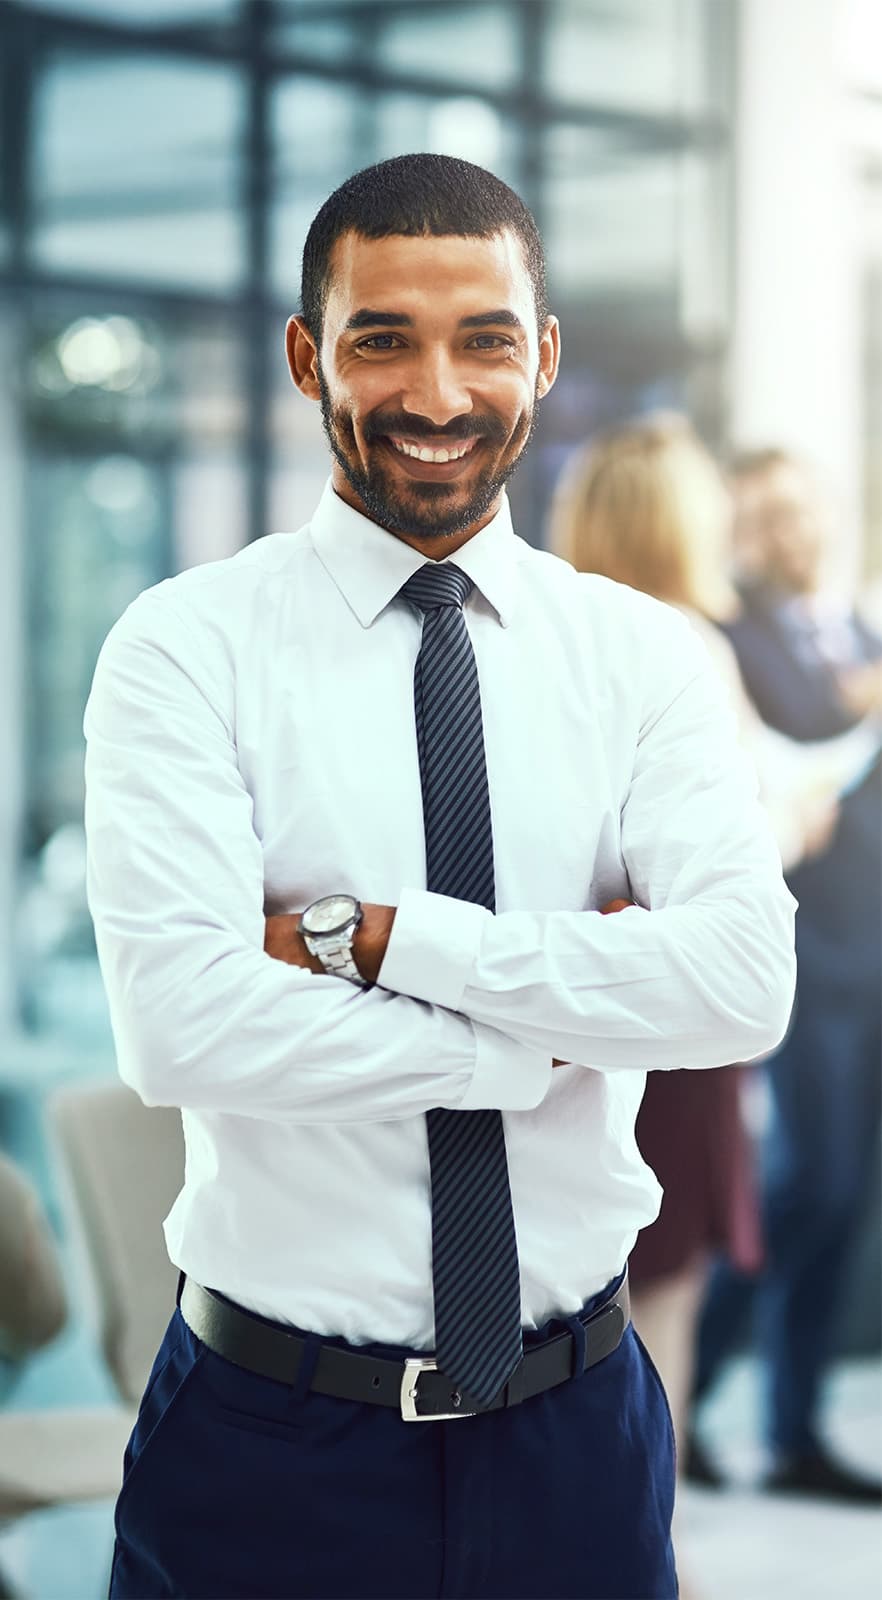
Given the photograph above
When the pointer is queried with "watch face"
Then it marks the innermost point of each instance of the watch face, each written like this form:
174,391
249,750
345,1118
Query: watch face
330,914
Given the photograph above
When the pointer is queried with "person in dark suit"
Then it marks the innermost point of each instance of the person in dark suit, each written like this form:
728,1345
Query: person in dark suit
813,670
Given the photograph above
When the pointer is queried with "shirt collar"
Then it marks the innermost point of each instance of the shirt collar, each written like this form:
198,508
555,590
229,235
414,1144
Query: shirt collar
369,565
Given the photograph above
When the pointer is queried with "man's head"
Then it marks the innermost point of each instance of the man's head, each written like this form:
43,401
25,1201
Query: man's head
424,334
779,534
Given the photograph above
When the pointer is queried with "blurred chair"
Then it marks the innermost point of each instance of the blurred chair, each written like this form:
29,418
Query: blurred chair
121,1168
52,1458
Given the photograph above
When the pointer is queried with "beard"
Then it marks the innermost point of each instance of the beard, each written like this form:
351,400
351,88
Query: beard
422,510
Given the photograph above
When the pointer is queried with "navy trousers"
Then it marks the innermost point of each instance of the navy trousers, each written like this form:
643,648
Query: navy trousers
237,1487
820,1156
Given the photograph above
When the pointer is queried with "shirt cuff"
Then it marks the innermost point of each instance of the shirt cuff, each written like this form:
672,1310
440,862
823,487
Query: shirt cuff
431,955
508,1075
433,947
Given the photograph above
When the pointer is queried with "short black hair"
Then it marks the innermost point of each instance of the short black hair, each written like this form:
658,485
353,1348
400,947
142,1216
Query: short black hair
417,195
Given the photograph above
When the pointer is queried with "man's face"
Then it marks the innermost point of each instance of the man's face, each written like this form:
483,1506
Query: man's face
782,535
428,375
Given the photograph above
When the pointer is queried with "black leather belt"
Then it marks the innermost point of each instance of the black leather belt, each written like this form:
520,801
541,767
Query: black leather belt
414,1386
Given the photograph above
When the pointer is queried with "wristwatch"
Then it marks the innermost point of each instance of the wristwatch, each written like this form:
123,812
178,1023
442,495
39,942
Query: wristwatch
328,928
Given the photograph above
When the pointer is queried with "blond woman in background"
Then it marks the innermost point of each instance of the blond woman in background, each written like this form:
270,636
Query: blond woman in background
645,504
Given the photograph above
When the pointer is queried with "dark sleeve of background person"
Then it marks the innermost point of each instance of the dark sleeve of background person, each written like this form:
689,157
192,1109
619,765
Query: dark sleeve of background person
839,924
792,692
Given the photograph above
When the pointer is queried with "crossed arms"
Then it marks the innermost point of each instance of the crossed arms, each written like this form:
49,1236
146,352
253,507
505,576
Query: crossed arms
472,1008
284,942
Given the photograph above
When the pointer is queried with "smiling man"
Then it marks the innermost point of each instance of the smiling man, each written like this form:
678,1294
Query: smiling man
425,472
355,810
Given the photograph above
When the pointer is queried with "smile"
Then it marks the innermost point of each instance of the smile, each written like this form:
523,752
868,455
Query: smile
418,452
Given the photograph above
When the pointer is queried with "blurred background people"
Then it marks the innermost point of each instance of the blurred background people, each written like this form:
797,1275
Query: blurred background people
813,669
645,504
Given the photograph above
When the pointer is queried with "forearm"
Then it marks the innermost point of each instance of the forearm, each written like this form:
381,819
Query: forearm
284,941
691,986
220,1027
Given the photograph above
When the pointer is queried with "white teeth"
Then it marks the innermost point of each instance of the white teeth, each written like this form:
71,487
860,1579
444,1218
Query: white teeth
421,453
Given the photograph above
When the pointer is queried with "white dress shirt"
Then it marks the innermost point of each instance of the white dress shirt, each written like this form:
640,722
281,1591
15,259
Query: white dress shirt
251,746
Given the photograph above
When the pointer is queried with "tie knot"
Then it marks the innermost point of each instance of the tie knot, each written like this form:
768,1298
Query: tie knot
437,584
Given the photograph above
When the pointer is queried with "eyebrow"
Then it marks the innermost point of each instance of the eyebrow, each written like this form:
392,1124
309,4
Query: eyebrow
367,318
491,319
378,319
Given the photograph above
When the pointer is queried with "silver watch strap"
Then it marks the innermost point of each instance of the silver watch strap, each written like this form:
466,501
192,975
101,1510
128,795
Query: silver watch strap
336,958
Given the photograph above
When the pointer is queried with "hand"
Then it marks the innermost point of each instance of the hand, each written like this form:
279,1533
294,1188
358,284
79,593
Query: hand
371,939
284,941
605,911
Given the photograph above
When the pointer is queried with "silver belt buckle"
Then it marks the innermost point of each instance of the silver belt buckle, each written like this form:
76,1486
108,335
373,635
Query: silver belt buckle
413,1366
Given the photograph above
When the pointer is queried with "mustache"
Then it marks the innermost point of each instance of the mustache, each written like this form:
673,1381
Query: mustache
410,426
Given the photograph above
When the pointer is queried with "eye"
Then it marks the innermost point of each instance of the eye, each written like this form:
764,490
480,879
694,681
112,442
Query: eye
379,341
490,341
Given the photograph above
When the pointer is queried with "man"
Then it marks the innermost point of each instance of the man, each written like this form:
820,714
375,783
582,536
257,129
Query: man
813,669
412,1182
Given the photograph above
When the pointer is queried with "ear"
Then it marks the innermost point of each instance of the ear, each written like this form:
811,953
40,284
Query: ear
549,356
302,354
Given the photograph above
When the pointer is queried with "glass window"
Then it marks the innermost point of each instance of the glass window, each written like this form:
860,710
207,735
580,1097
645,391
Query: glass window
308,33
207,400
610,219
624,218
159,13
96,537
136,170
135,382
469,44
640,55
461,125
97,375
300,458
319,132
703,209
135,470
208,510
5,232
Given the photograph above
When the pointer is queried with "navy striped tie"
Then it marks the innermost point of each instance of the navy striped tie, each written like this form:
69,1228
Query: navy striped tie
474,1251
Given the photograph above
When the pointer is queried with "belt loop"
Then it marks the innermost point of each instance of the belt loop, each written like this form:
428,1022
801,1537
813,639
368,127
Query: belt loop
580,1344
302,1384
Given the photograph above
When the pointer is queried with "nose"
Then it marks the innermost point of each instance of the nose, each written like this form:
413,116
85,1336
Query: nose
435,389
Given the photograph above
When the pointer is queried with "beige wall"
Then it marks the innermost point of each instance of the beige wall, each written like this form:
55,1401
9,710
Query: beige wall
796,367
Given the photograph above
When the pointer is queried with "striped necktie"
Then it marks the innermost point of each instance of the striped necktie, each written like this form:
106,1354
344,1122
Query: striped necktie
474,1251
